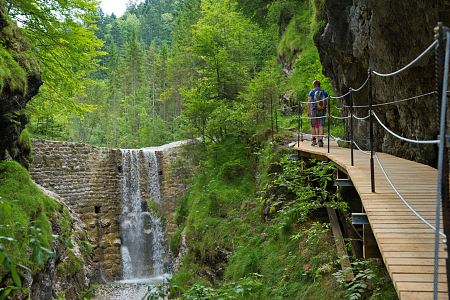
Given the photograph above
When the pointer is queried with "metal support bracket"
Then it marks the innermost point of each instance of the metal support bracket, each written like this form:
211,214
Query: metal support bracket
343,183
359,219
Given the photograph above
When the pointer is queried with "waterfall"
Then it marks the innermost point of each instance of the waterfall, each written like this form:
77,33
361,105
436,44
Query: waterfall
143,246
100,246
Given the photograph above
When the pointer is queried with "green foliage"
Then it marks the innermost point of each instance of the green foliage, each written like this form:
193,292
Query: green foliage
27,220
319,13
370,281
16,61
71,265
296,190
155,209
227,43
62,37
24,141
11,73
25,228
175,241
226,47
217,78
244,288
232,170
228,241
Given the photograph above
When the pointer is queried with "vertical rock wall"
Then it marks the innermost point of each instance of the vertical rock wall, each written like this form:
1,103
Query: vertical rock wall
385,35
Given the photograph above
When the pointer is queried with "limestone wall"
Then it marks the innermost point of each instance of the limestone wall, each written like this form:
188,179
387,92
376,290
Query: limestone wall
360,34
88,179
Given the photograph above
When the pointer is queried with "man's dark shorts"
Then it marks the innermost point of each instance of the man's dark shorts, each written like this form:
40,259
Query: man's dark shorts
316,121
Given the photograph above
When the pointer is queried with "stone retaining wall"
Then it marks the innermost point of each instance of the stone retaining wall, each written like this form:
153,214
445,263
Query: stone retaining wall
89,179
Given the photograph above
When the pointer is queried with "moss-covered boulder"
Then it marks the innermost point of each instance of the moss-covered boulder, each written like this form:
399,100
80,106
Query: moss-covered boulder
20,79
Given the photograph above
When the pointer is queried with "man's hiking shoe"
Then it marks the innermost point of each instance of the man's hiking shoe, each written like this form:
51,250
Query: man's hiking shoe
320,143
314,142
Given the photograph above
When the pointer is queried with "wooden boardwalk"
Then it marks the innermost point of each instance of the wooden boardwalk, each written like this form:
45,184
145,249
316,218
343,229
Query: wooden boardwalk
405,242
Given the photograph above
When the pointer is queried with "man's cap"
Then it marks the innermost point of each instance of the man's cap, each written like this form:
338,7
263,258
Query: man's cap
316,82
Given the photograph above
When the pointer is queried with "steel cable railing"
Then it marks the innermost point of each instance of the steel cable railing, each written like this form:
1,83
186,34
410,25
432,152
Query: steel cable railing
361,87
393,102
406,99
340,118
361,118
359,148
410,207
373,116
401,137
433,45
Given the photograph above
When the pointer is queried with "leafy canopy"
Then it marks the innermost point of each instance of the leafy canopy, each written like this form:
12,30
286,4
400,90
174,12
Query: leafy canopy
62,37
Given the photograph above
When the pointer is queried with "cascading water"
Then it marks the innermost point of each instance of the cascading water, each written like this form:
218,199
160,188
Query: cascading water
142,250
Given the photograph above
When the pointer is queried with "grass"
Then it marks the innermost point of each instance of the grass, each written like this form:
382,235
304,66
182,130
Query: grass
25,214
28,220
231,237
290,123
15,66
228,239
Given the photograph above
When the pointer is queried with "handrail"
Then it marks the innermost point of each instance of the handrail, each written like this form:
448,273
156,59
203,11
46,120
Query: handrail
429,48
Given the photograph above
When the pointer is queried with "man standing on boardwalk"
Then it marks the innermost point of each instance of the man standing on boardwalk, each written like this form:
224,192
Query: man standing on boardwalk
317,107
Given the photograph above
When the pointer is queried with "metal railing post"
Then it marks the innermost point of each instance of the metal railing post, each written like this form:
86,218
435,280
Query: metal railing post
372,167
328,102
299,121
443,183
351,130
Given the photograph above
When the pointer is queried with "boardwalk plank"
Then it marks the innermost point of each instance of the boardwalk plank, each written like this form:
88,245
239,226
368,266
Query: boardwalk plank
405,242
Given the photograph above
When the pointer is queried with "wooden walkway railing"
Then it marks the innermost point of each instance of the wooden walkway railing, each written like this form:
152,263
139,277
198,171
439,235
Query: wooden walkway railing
405,242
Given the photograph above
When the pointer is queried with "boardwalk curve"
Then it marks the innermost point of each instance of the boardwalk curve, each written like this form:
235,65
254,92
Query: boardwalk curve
405,242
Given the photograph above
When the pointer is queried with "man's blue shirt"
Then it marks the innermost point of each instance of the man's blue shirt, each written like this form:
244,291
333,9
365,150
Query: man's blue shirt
311,94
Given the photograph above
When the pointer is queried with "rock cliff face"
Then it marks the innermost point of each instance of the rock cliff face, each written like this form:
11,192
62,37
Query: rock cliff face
385,35
18,84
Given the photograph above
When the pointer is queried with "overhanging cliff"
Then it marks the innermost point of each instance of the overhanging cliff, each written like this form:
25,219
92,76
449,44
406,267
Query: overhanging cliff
386,35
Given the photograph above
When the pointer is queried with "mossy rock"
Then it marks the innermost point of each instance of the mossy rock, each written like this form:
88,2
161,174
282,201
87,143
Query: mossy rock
71,265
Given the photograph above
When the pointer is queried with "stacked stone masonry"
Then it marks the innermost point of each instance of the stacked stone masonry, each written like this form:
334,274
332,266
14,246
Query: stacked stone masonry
89,179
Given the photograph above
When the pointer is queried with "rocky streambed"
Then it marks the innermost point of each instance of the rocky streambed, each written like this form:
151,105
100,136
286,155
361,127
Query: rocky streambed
129,290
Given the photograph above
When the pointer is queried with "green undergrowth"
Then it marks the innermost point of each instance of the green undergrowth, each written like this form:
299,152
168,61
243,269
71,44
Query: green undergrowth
256,228
298,51
27,220
25,229
245,246
290,122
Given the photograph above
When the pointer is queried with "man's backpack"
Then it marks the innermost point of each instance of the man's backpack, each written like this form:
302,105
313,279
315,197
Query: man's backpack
319,99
